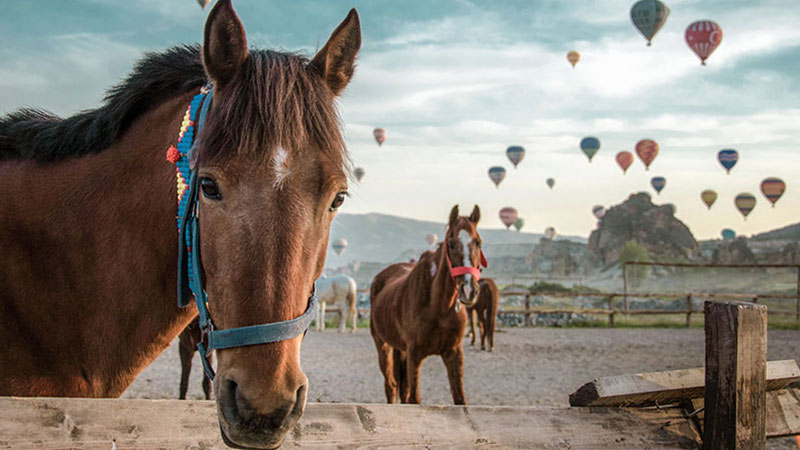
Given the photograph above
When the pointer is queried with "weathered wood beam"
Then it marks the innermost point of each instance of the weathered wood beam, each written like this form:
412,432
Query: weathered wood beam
663,388
736,376
28,423
783,413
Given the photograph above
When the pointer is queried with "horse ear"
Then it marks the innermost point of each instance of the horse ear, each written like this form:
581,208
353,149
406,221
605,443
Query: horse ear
476,215
224,43
453,217
337,59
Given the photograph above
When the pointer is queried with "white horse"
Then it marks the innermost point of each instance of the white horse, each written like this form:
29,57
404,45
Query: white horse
337,289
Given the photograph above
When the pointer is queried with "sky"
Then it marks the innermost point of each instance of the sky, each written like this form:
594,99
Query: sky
455,82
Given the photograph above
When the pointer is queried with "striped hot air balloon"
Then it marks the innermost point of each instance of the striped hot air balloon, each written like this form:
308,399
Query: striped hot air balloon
703,37
497,174
624,159
773,188
727,158
647,149
709,197
339,245
515,153
745,202
598,211
658,183
508,216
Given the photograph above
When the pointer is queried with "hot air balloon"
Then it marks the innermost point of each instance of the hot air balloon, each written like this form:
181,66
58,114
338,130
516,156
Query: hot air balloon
515,154
339,245
598,211
550,233
745,202
773,188
497,173
709,197
647,149
728,158
590,145
658,183
648,17
508,216
624,159
703,37
573,57
519,223
203,3
359,173
550,182
380,136
728,234
431,238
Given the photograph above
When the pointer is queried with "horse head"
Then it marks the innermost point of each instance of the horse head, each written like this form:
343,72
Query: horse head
271,165
464,255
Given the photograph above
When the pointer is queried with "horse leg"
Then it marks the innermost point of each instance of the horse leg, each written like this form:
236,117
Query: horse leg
454,362
482,328
321,318
413,364
342,319
351,299
472,326
489,327
386,363
400,374
207,381
186,351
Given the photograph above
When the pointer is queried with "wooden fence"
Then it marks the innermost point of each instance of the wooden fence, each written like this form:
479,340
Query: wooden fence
617,304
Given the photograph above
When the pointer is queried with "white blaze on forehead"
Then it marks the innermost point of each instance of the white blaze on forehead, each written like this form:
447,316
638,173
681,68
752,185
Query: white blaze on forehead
465,239
280,167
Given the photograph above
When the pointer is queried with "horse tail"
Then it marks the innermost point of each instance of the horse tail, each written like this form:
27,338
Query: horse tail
489,294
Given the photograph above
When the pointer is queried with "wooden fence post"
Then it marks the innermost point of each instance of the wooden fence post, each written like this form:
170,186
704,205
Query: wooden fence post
688,310
736,370
611,313
527,310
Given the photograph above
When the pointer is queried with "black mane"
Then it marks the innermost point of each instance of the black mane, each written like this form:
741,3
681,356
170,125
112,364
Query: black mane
42,136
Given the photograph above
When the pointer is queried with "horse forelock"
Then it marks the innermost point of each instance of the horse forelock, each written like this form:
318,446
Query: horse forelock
275,104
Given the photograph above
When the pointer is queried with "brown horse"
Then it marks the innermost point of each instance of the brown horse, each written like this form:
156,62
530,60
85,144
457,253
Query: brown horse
187,346
416,310
486,310
88,232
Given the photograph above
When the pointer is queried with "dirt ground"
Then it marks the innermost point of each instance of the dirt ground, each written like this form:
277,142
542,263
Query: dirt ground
530,366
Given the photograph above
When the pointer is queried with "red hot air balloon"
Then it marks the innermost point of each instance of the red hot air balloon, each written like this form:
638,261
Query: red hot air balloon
703,37
624,159
647,149
508,216
773,188
380,136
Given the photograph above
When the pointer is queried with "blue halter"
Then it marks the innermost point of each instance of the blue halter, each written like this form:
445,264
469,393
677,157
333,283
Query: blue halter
190,277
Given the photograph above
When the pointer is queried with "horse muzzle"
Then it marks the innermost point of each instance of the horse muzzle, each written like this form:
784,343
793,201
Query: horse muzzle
245,426
468,293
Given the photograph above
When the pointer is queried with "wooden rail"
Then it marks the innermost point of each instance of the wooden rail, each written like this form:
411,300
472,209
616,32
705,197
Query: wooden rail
612,309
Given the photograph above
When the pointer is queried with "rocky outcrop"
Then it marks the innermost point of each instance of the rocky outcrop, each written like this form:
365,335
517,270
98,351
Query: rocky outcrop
561,258
733,252
654,227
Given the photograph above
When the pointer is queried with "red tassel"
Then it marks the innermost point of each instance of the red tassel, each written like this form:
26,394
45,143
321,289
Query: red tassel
173,155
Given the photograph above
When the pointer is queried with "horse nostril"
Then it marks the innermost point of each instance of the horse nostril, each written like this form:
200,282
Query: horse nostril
227,401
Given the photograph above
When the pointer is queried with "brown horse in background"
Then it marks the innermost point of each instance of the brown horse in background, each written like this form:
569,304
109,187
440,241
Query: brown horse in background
187,345
88,279
486,310
416,310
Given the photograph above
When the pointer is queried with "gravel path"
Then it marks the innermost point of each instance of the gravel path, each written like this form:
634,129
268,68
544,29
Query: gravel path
530,366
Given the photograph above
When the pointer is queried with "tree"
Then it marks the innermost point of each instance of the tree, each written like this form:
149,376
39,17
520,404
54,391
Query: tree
632,251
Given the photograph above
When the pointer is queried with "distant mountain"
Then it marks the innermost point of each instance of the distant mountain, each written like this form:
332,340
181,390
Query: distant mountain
385,238
787,233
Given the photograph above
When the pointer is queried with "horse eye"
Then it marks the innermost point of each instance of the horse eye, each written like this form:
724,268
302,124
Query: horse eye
337,201
210,189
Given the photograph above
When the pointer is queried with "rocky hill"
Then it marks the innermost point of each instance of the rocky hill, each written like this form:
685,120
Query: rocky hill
654,227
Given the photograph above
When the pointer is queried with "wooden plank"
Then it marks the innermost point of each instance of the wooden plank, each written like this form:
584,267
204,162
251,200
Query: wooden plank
736,369
783,413
47,423
663,388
